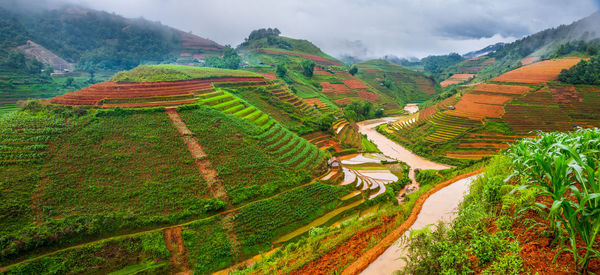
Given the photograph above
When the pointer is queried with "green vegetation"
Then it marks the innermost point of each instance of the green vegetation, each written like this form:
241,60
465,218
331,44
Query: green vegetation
96,40
308,67
124,255
361,110
435,64
247,170
585,72
156,73
208,245
467,244
564,168
230,59
396,82
552,179
257,225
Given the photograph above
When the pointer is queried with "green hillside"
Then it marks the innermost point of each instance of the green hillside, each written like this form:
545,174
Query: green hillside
396,81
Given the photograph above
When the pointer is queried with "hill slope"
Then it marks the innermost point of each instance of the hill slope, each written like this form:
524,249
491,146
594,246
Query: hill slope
479,121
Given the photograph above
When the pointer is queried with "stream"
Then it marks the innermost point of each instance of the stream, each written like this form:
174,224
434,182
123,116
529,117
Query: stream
440,206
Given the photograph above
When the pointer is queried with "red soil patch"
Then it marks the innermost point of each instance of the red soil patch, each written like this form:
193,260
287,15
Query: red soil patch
502,89
538,252
366,95
269,76
529,60
355,84
540,72
566,95
480,106
311,57
94,94
314,101
343,101
344,253
484,145
456,78
335,88
174,242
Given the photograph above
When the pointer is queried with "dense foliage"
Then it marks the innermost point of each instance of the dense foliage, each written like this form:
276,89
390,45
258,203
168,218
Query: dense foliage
308,67
230,59
359,110
97,40
585,72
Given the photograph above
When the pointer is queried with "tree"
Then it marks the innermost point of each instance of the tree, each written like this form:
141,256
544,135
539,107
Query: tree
359,110
353,70
230,59
308,67
69,82
281,70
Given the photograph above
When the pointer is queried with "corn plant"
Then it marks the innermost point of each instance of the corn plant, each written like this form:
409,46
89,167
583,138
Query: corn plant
564,167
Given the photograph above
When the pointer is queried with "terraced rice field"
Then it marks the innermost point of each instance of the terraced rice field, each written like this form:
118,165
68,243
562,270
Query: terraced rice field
335,88
502,89
346,134
281,92
167,93
536,111
456,79
479,145
540,72
449,126
368,174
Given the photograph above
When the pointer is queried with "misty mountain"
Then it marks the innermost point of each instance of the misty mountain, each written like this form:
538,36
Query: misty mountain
487,50
98,39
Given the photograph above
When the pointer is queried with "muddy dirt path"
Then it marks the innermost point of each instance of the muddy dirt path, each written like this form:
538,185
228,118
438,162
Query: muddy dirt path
440,206
179,260
200,157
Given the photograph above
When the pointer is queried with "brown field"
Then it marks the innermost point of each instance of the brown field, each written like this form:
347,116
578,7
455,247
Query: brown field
478,106
502,89
335,88
456,78
540,72
343,101
314,101
364,94
94,94
355,84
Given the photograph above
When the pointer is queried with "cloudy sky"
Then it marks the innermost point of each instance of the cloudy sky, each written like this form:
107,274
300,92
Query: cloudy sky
405,28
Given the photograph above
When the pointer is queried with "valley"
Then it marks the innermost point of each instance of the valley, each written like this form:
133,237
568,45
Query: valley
131,147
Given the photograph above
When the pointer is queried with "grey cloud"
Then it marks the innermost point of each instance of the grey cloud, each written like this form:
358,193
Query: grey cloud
399,27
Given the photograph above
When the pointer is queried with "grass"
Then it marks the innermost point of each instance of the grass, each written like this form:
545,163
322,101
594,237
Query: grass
145,169
246,169
208,245
157,73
